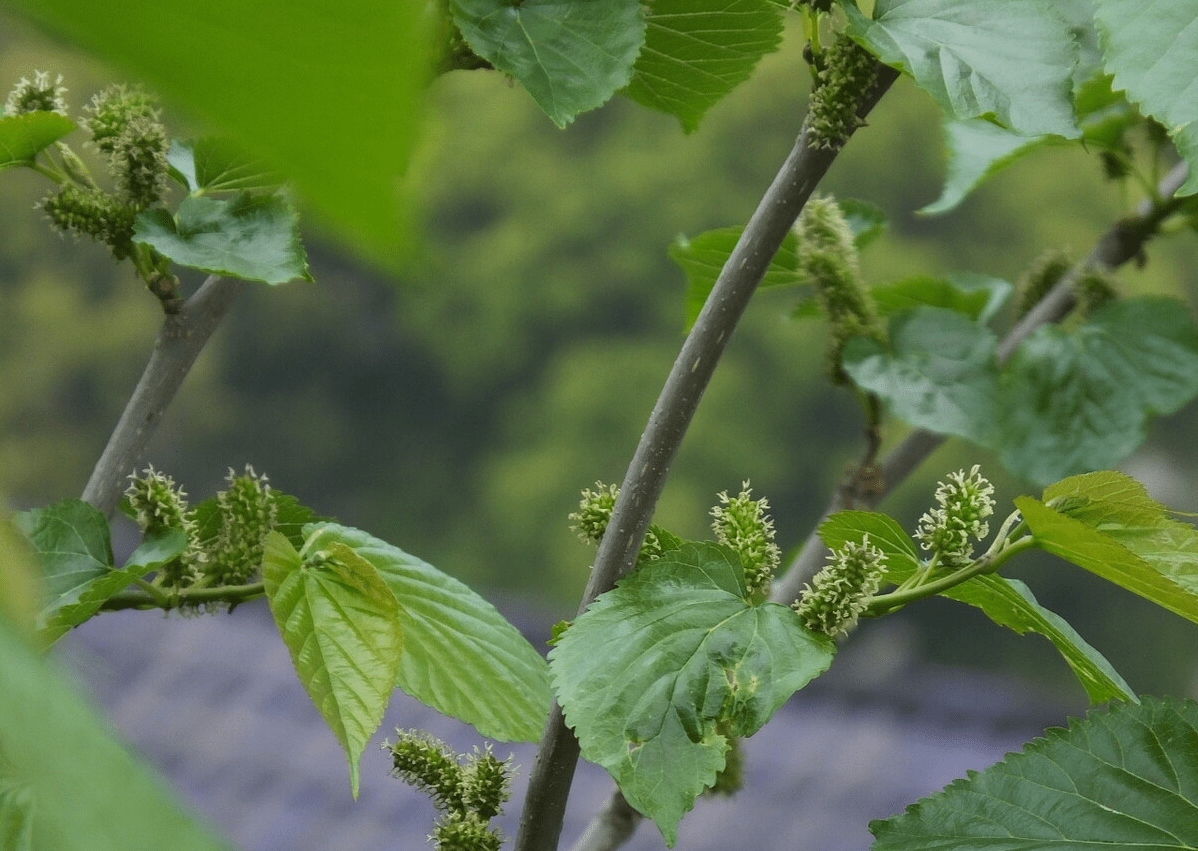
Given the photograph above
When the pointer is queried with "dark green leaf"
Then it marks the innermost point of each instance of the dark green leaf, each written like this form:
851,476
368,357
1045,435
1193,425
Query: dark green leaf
1153,52
977,296
1074,402
460,656
696,51
73,544
23,136
216,165
571,55
332,93
251,237
341,626
657,673
1126,778
70,609
848,527
1011,61
85,791
939,372
1077,541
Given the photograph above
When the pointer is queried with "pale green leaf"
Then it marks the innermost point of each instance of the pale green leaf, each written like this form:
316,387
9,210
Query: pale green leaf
1076,401
461,656
253,237
23,136
1151,46
1011,61
1126,778
938,372
659,672
570,55
697,51
216,165
1080,543
341,625
61,765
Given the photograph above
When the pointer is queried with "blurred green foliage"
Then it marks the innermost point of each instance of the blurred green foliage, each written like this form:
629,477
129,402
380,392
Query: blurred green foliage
459,412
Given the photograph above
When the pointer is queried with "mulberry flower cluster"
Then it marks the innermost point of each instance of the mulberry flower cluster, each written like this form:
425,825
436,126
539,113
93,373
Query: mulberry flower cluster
468,792
848,69
41,94
594,513
950,530
741,522
834,600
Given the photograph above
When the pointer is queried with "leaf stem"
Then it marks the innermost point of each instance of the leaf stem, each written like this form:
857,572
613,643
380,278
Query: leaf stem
553,769
180,341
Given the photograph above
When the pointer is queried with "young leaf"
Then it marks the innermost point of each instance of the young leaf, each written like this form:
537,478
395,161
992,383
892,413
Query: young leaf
939,372
1011,61
253,237
73,544
23,136
978,297
215,165
1101,554
848,527
657,672
696,51
83,789
571,55
341,626
1153,53
70,609
1126,778
461,656
1074,402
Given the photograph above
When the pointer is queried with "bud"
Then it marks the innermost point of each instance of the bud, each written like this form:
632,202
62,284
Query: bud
951,530
248,512
741,523
836,597
40,95
848,70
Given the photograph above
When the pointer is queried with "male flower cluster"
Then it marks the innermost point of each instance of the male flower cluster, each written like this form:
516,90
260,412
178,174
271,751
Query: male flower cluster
847,70
741,522
834,600
594,513
950,531
37,95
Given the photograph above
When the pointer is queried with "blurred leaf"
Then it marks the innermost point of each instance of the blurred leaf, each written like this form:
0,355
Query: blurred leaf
571,55
23,136
977,296
697,51
255,238
1126,778
61,764
341,626
1080,401
1153,53
658,672
1101,554
215,165
977,150
867,221
939,372
460,655
332,93
1011,61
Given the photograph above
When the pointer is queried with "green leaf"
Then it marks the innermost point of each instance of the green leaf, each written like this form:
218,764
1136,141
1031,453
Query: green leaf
330,92
341,626
977,150
253,237
1126,778
848,527
23,136
867,221
61,765
659,672
977,296
1152,49
72,608
703,257
73,544
1010,61
1074,402
1078,542
571,55
461,656
697,51
939,372
216,165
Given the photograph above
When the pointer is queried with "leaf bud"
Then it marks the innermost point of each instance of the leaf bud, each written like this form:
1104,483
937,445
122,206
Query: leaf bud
741,522
837,595
847,71
39,95
950,530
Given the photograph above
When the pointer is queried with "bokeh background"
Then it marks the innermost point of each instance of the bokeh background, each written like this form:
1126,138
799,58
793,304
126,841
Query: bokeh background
457,408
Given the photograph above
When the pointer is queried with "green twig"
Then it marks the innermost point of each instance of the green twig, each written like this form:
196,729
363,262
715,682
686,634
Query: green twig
189,597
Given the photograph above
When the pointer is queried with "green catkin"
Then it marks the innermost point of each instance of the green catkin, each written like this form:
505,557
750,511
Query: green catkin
1039,278
41,94
249,511
159,505
111,112
848,70
86,211
950,530
741,523
138,162
594,513
423,762
837,595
